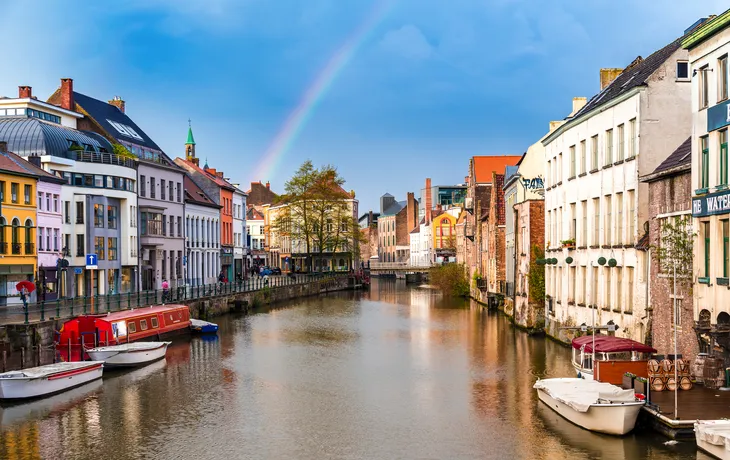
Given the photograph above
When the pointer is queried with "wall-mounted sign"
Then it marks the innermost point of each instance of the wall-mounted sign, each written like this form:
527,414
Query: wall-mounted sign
712,204
718,116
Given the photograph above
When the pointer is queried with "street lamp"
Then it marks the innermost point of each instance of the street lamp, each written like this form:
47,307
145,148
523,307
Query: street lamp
61,265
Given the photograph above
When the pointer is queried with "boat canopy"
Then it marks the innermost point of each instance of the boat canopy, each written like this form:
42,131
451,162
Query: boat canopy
610,344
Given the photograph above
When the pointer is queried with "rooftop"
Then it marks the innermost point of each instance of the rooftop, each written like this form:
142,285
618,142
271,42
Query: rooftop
31,136
680,160
484,166
12,163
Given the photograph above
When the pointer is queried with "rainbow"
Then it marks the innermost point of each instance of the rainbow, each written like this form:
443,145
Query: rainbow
298,118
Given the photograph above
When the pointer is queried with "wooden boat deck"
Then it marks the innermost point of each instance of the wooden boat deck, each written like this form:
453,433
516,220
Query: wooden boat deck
699,403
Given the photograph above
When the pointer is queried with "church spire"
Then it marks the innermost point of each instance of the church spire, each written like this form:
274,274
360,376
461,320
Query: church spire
190,146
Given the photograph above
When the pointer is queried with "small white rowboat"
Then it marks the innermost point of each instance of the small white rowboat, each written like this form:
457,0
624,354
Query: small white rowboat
595,406
49,379
713,437
129,354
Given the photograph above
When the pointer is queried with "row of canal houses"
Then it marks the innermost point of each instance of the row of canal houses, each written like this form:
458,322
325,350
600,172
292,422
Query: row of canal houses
78,176
569,233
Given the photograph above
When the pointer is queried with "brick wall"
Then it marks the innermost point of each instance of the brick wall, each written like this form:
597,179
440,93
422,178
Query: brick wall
401,227
496,238
531,217
668,195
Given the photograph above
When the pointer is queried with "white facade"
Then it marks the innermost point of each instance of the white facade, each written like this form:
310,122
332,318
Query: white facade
593,195
202,244
414,240
240,249
708,71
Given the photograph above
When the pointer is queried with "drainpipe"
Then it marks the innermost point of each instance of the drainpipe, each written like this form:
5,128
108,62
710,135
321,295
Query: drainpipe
647,302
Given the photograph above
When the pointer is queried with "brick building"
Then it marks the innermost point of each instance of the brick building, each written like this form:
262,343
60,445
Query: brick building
260,195
495,269
670,197
529,236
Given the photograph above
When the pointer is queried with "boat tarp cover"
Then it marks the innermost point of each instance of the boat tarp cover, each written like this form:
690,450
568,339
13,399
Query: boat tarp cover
610,344
49,369
580,394
133,346
715,432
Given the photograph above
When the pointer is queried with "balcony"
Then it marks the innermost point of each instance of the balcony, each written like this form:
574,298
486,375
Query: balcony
3,248
29,249
16,248
101,157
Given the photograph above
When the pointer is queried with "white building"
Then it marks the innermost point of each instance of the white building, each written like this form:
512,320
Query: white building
594,197
708,47
414,240
255,230
202,218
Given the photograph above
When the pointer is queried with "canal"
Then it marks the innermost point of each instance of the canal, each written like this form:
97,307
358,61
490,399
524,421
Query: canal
394,373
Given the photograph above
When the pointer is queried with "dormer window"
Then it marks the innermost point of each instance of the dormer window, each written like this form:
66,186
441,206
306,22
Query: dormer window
125,130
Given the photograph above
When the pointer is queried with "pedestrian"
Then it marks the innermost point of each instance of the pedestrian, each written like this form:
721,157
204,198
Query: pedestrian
24,297
165,291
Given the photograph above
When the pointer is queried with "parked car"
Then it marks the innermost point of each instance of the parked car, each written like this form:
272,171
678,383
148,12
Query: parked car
265,272
276,271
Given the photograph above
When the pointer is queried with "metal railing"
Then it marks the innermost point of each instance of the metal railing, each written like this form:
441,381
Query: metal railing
101,157
106,303
17,248
395,265
29,248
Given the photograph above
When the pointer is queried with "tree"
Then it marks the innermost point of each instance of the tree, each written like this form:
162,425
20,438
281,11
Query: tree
676,249
315,213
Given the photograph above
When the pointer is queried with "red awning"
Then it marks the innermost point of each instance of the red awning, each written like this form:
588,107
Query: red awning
609,344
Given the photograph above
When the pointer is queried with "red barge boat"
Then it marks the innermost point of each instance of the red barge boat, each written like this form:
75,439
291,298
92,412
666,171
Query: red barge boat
121,327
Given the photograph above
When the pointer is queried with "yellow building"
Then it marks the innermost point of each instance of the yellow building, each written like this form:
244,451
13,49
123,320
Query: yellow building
444,231
18,257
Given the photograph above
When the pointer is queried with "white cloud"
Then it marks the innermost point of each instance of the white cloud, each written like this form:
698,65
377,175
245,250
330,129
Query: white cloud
408,42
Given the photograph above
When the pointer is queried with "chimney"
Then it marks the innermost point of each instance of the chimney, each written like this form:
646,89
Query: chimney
579,103
608,75
118,102
35,160
196,161
3,147
25,92
370,218
411,211
554,125
67,94
268,185
427,203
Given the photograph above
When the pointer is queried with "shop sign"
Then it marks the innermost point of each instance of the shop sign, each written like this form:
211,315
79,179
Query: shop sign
712,204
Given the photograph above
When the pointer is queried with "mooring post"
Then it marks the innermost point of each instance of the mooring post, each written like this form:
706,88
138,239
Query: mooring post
22,357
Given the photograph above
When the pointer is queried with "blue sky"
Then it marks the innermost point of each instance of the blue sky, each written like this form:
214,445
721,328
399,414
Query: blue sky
433,83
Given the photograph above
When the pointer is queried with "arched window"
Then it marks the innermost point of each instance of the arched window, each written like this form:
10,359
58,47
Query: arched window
16,236
3,223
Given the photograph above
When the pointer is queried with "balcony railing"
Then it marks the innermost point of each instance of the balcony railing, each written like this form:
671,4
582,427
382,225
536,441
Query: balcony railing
101,157
17,248
29,248
3,247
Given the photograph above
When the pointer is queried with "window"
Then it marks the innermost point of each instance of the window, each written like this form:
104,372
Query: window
80,245
632,138
55,203
704,162
79,212
99,247
594,293
67,242
619,222
572,161
14,187
153,322
67,212
172,225
632,218
725,247
2,191
584,223
677,312
40,238
619,288
179,226
608,156
582,157
596,221
179,192
40,201
99,181
99,215
549,176
131,327
706,236
630,291
142,186
573,222
48,202
143,324
164,225
112,248
723,157
609,221
164,264
608,285
152,187
704,87
722,78
682,70
594,152
27,190
560,167
162,189
621,142
55,239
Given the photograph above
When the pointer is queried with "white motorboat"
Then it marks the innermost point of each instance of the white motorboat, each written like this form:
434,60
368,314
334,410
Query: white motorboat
40,408
49,379
129,354
713,437
595,406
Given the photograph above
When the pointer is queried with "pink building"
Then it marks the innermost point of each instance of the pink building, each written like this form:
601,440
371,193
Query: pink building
48,225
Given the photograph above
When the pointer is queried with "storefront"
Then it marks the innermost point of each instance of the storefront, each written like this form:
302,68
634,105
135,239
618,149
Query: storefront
227,262
10,275
48,286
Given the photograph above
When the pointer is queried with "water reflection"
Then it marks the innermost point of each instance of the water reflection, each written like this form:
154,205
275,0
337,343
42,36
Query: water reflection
396,372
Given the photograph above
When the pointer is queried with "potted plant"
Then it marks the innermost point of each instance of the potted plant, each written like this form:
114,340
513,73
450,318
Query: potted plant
569,243
628,381
641,385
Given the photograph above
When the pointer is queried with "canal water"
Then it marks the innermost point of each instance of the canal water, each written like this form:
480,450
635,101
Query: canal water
394,373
